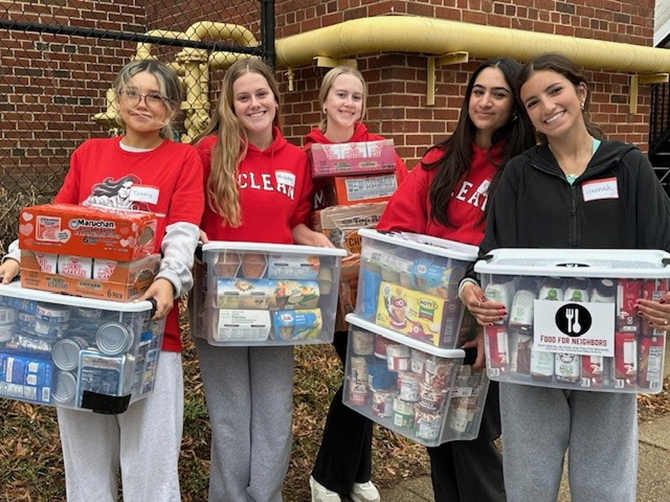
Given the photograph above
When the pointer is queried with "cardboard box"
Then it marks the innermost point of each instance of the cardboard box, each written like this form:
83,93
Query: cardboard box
342,223
346,191
340,159
419,315
69,229
124,281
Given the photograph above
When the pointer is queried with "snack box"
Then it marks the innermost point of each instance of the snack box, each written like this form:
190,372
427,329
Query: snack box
340,159
120,281
422,392
265,294
572,321
70,229
349,190
409,283
74,352
342,223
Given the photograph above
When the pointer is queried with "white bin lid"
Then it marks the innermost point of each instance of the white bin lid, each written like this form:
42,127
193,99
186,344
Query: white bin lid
424,243
605,263
261,247
404,339
14,290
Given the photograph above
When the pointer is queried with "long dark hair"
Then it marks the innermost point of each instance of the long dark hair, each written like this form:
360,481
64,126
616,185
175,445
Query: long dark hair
517,135
563,66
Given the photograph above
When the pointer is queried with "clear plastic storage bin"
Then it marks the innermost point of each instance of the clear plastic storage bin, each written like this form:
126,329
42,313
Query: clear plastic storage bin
409,283
419,391
266,294
572,321
76,352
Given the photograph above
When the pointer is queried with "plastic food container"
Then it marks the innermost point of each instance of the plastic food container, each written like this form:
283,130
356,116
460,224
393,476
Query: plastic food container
75,352
422,392
572,321
265,294
409,283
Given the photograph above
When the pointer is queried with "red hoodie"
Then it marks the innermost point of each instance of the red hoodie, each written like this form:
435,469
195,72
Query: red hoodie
409,208
360,134
275,188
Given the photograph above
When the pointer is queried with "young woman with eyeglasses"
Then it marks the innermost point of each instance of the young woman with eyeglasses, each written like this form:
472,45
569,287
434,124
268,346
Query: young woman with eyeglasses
144,441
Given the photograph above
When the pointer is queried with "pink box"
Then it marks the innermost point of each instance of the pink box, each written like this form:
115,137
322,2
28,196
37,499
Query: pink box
343,159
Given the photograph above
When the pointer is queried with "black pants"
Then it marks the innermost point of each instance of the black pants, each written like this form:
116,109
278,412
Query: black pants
471,471
345,455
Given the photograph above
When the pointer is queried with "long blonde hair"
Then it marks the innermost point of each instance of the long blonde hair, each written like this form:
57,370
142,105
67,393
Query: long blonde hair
327,83
222,192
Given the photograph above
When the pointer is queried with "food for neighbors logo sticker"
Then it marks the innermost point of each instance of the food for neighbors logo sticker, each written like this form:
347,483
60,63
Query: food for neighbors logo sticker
574,328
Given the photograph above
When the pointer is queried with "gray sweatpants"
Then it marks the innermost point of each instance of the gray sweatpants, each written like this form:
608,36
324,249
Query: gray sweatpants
599,428
249,392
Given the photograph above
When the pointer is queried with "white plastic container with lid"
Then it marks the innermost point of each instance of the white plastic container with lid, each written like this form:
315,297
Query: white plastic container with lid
249,293
596,339
409,283
57,359
438,401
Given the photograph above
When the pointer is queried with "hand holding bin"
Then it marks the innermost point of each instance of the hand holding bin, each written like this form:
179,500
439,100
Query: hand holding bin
77,353
265,294
420,391
572,321
409,283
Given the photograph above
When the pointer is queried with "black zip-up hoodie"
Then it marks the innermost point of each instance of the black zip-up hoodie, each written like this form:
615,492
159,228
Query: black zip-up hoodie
535,207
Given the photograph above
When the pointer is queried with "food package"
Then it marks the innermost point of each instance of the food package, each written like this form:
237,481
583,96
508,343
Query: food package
341,159
69,229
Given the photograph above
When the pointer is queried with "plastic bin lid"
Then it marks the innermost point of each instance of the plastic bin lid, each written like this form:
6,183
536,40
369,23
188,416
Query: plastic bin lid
609,263
404,339
262,247
425,243
15,290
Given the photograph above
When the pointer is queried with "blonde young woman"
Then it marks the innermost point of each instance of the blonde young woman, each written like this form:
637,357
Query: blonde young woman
344,463
258,189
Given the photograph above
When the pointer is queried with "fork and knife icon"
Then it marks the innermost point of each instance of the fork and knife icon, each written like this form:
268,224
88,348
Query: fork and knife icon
572,315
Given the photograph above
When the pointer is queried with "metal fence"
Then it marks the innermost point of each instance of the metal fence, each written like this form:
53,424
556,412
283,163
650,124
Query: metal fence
58,59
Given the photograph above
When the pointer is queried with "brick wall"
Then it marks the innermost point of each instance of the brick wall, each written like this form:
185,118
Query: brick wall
397,82
51,85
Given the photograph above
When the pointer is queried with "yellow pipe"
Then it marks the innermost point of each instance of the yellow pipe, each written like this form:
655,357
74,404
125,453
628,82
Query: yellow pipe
439,36
197,31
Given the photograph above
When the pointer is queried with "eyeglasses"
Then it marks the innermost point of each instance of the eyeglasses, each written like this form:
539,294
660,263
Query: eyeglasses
132,97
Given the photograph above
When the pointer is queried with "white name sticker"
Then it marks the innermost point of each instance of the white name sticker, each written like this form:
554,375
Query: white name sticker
144,193
285,178
600,189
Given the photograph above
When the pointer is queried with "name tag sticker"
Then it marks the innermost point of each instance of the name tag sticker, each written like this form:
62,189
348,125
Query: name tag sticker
144,193
600,189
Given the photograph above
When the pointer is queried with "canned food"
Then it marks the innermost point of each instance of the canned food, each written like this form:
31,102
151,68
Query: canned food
397,357
409,387
363,342
114,338
64,388
65,352
358,392
6,332
51,330
359,369
8,315
47,312
382,403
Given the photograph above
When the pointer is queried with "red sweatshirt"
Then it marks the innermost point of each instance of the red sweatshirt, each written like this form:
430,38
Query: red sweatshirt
275,188
409,208
360,134
101,172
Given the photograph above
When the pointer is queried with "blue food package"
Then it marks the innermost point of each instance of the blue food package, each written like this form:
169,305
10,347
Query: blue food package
26,378
369,290
297,324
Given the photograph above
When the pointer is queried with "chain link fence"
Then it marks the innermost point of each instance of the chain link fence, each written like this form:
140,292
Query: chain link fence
58,59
